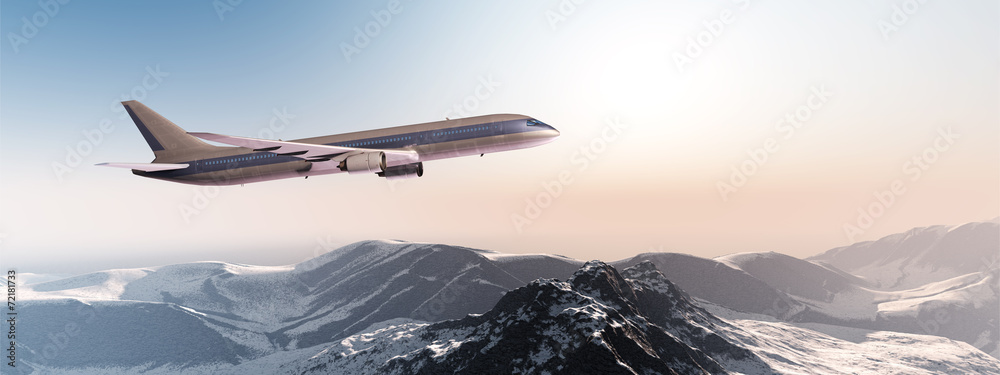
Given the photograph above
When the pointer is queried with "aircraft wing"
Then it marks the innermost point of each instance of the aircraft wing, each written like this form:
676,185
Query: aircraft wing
307,151
146,167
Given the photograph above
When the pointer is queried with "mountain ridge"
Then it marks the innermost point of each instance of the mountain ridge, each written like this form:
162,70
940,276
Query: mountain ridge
271,311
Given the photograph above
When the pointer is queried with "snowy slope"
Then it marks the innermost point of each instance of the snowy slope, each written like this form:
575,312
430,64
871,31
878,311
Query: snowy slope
596,322
807,316
719,283
600,321
921,255
258,310
965,307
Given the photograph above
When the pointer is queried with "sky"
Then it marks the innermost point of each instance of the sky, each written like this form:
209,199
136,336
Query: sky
702,127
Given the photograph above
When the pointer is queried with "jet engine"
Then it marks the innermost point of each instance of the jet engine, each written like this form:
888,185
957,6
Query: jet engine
403,171
369,162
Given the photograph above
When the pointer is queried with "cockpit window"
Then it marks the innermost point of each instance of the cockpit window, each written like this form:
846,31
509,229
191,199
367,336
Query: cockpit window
533,122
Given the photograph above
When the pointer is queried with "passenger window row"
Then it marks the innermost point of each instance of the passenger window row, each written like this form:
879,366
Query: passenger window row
240,158
457,131
376,141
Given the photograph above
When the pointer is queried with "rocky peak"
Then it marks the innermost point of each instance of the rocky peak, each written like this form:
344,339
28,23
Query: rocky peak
602,281
596,317
645,274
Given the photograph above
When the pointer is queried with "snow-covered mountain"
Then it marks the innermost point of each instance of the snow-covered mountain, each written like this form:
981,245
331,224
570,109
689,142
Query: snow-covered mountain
219,312
958,300
704,278
957,296
920,256
600,321
376,302
596,322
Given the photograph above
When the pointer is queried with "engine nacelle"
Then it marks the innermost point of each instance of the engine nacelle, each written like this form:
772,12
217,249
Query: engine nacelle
369,162
403,171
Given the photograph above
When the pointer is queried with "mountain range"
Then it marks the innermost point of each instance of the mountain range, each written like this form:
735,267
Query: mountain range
921,301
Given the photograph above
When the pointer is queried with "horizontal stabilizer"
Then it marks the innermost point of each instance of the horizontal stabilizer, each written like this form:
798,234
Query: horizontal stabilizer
146,167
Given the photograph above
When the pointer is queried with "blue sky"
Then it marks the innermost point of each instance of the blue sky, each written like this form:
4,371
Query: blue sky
896,79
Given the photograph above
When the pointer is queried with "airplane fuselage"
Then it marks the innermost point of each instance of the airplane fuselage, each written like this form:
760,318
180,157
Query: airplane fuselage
429,141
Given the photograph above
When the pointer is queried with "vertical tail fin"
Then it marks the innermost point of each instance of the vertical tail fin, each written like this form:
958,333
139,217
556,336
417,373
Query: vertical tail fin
161,134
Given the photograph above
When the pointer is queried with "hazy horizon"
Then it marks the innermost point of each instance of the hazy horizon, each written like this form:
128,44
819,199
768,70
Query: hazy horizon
324,245
706,128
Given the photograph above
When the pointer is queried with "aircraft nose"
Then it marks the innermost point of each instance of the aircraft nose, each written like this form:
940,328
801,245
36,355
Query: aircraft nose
543,130
552,133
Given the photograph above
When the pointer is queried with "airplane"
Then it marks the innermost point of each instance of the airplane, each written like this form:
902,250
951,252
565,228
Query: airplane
392,153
